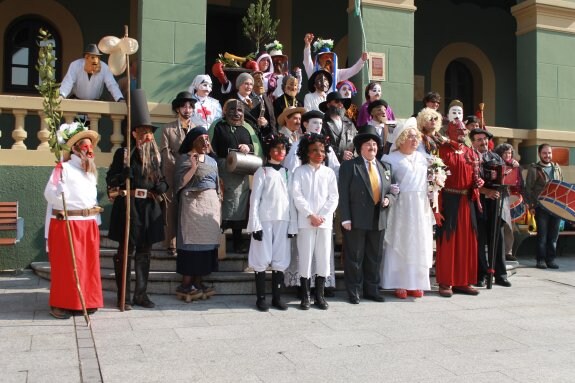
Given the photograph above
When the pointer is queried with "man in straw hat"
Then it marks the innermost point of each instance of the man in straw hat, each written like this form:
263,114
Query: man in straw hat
365,193
86,78
290,122
147,190
76,178
173,135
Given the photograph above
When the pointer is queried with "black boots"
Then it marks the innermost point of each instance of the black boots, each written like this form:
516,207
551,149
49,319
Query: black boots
118,274
277,284
142,265
261,291
319,293
305,288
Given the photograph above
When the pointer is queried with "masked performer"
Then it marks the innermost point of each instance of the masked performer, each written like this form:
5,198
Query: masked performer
207,109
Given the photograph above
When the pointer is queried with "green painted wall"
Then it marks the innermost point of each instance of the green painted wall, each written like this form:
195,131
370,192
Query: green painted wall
527,84
26,185
173,34
388,31
491,29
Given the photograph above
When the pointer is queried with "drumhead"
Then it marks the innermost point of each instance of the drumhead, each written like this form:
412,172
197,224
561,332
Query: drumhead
558,198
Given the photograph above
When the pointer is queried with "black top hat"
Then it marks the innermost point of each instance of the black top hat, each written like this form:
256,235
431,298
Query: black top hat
477,131
375,104
92,49
334,96
364,134
311,81
140,113
182,98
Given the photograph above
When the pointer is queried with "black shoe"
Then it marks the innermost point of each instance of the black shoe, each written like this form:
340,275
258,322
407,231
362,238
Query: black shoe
144,301
480,282
329,292
262,305
541,265
502,282
127,306
375,298
510,257
305,298
552,265
353,300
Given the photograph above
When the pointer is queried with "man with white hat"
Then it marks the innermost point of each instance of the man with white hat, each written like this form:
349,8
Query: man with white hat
87,76
75,178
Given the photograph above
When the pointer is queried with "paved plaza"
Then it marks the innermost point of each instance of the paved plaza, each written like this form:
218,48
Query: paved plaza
525,333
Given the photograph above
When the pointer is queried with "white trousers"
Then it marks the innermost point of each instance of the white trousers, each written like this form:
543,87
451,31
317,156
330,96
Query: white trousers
314,244
274,248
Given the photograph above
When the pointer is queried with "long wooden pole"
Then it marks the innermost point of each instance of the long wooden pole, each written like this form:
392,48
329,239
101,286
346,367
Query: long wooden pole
73,254
128,186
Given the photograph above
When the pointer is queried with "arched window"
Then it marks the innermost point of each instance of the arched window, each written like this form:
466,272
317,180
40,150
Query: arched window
21,53
459,85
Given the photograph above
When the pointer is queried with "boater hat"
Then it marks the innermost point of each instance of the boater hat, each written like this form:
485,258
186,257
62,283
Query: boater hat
69,134
288,112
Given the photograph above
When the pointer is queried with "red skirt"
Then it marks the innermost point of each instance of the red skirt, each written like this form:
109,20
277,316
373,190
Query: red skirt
456,260
86,240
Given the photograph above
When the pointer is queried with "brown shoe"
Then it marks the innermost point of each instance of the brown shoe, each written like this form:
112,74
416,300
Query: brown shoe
59,313
467,290
445,291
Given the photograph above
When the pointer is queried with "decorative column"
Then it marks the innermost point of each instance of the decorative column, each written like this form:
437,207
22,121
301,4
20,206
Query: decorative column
117,138
94,125
19,134
44,133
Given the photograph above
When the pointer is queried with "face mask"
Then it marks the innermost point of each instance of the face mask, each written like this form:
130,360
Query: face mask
291,87
314,125
278,153
345,91
205,87
375,93
455,112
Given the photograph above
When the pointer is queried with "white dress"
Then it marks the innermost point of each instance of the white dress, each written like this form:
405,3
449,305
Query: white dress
409,235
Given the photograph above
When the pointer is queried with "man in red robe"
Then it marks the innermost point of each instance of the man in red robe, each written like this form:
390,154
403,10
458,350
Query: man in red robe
456,260
75,179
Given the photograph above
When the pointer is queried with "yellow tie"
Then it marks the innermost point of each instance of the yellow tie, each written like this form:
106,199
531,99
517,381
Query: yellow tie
374,180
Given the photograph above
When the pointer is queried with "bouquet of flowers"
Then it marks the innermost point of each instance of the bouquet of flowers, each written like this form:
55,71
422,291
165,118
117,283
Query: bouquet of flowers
274,46
437,173
321,44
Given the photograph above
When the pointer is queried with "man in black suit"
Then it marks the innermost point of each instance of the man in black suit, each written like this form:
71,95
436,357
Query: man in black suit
365,193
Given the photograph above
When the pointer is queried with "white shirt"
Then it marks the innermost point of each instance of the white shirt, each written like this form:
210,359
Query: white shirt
314,191
206,111
311,101
76,82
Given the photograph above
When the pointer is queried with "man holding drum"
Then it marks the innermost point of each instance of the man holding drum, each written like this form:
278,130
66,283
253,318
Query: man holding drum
538,176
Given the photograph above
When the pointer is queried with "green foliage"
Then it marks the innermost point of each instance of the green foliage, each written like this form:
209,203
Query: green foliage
49,89
258,25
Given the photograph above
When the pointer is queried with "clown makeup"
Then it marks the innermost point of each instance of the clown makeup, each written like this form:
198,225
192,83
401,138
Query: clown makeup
314,125
234,113
321,83
375,93
204,89
345,91
246,88
455,112
291,86
277,153
316,153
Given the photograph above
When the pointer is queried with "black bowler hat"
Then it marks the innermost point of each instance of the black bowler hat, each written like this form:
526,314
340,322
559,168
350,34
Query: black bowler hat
139,110
476,131
375,104
181,99
334,96
364,134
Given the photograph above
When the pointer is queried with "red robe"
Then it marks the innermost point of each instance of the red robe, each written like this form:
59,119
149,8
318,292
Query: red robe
456,260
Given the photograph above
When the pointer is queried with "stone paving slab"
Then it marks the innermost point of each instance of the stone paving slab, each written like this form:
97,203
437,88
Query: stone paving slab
518,334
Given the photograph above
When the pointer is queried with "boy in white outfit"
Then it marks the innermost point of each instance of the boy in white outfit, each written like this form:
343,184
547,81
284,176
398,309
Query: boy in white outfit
315,198
269,221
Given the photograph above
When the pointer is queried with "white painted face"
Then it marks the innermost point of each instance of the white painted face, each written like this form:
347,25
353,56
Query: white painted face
375,93
455,112
204,88
345,91
314,125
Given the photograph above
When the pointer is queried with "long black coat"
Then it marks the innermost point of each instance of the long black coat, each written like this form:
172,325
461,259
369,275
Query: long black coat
146,218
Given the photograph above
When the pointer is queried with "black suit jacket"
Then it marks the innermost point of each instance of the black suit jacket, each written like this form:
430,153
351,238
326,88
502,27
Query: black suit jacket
356,196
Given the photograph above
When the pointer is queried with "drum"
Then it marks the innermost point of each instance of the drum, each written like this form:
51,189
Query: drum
517,207
242,163
558,198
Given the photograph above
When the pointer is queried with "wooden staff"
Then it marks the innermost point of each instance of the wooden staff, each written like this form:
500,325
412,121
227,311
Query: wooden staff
481,107
73,254
128,186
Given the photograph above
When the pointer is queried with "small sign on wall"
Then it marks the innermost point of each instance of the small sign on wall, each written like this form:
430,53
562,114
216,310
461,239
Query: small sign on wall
377,66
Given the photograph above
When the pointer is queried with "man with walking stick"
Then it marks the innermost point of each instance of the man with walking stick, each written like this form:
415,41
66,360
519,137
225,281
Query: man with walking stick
73,235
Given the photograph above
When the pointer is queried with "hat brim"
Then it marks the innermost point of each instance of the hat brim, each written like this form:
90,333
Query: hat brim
289,111
92,135
346,104
360,139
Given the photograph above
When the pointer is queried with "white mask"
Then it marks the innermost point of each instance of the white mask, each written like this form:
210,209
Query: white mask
375,93
345,91
205,86
314,125
455,112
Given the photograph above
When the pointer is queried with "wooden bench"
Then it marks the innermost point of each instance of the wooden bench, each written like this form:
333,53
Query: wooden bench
520,235
10,222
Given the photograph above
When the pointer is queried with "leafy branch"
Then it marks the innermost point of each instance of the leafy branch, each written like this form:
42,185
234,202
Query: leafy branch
258,25
49,89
